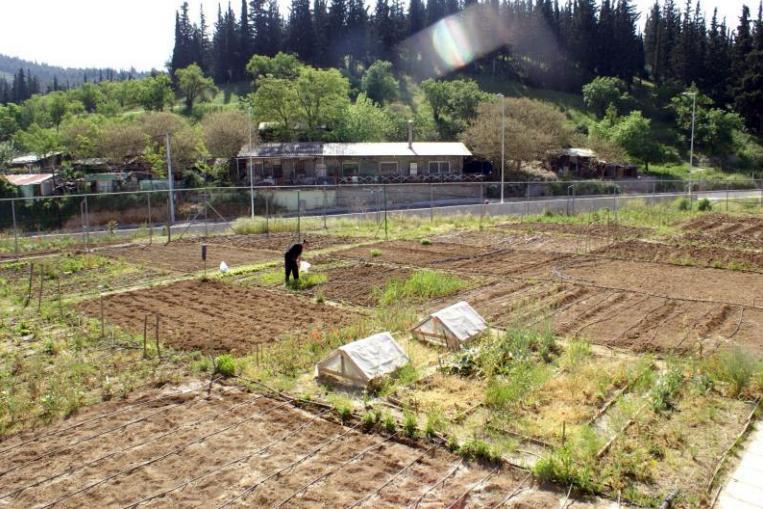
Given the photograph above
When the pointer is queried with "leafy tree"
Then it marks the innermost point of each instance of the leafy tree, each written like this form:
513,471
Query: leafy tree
276,101
454,103
714,128
187,142
120,140
603,91
365,121
225,132
379,82
156,93
322,96
532,128
194,86
283,65
79,135
9,123
40,141
634,134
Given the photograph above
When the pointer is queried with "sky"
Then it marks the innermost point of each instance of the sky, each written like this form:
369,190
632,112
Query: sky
139,33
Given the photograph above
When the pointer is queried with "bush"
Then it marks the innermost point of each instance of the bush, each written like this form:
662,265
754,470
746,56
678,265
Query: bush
735,367
389,423
479,450
426,242
375,253
225,365
684,204
410,425
666,387
704,205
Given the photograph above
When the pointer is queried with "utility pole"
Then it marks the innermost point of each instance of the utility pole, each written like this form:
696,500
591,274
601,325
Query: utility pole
693,120
503,140
170,181
251,173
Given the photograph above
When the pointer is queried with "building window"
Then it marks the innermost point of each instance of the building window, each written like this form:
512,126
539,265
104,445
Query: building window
388,169
439,167
350,169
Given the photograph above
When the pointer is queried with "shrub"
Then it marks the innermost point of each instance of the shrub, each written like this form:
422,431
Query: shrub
560,467
410,424
368,420
684,204
704,205
389,423
735,367
426,242
434,424
479,450
663,391
375,253
225,365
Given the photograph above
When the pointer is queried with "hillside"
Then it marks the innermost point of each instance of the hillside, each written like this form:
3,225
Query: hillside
66,75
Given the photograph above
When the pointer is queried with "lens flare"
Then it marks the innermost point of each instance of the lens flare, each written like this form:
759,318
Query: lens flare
451,42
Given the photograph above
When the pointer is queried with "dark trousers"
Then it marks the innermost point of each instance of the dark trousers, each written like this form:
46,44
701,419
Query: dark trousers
292,267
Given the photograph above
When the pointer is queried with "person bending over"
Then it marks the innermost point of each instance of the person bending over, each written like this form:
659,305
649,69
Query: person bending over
292,257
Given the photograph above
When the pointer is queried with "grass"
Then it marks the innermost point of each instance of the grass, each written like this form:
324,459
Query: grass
420,286
225,365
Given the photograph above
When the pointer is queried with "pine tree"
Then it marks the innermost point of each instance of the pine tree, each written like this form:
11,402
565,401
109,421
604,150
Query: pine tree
435,10
716,64
358,30
337,44
583,39
321,30
301,38
245,41
749,89
416,16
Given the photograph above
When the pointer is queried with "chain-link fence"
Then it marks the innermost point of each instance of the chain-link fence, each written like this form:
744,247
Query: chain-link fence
123,216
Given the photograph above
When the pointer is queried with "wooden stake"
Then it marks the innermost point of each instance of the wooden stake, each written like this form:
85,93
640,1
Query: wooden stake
145,335
156,336
103,321
60,305
29,289
39,294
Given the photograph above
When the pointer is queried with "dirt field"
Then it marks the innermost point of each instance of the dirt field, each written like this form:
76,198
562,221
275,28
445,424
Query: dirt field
217,317
280,242
593,230
185,256
410,253
684,254
357,284
185,446
526,242
742,232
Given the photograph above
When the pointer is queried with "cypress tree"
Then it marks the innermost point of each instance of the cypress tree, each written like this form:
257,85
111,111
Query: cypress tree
337,44
301,38
245,40
321,30
416,16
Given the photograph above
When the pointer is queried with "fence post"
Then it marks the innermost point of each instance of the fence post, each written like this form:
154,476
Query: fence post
527,199
15,229
267,214
325,205
150,221
386,232
299,216
727,196
431,202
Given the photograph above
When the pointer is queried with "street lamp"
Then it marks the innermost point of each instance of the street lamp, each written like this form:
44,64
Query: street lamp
503,140
693,119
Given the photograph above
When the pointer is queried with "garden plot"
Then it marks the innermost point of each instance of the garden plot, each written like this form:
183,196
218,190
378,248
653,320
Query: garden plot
453,396
219,446
685,254
216,317
75,275
281,242
613,230
738,231
543,242
410,253
359,284
185,256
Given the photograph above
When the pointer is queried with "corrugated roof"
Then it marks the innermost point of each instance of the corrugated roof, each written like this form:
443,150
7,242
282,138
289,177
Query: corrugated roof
316,149
579,152
28,179
31,158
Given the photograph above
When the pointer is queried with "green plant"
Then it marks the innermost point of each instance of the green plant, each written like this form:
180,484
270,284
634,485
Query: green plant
480,450
453,444
375,253
225,365
426,242
684,204
410,424
704,205
422,285
665,388
368,420
389,423
434,423
735,367
560,467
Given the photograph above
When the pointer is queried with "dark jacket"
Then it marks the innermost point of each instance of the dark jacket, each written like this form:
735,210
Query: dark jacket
294,252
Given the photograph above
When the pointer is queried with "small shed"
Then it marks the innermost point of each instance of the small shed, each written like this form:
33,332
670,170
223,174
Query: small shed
451,327
363,361
32,184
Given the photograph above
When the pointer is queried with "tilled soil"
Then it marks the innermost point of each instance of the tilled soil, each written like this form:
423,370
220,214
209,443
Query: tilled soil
684,254
216,317
190,446
410,253
281,242
526,241
731,231
359,284
185,256
613,230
